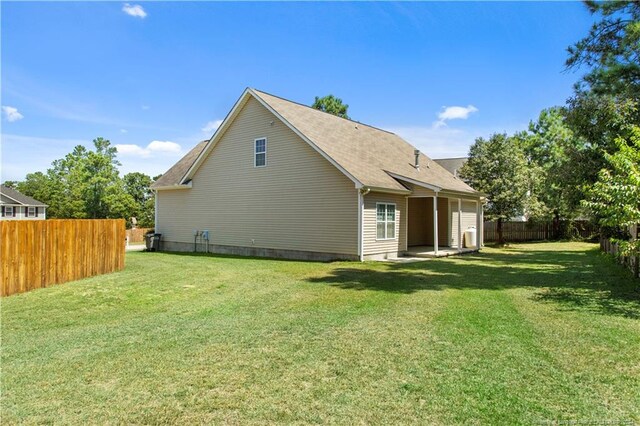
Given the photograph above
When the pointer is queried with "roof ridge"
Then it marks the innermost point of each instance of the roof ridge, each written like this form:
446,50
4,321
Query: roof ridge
324,112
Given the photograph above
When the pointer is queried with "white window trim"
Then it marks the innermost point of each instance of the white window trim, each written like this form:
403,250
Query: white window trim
255,154
395,222
29,212
6,213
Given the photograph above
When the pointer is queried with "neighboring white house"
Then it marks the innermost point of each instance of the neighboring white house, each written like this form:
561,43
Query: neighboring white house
17,206
281,179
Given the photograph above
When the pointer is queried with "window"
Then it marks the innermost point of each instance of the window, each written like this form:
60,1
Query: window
385,221
31,212
8,211
260,152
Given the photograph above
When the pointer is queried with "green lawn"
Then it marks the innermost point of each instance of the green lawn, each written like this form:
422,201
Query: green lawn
530,334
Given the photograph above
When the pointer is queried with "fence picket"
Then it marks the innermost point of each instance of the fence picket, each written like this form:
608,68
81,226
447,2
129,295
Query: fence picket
37,254
525,231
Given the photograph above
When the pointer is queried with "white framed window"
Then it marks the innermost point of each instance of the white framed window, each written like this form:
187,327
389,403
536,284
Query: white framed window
385,221
260,152
8,211
31,212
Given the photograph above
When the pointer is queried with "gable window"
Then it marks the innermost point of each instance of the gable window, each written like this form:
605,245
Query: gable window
31,212
8,211
385,221
260,152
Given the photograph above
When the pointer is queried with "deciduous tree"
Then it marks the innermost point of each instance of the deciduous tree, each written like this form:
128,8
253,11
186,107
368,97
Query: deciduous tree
615,197
498,168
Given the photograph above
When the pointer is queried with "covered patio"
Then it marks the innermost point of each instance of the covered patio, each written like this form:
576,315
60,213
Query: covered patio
429,251
437,222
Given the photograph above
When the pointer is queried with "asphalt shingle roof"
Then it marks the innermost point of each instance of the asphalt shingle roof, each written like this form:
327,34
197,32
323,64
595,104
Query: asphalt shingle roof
174,175
367,153
453,165
7,195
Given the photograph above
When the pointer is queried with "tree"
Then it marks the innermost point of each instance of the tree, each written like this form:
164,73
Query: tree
611,49
551,149
332,105
13,184
615,197
497,167
138,186
83,184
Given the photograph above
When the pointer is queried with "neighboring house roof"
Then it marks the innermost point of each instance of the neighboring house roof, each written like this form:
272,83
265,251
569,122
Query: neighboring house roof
175,174
11,196
369,156
453,165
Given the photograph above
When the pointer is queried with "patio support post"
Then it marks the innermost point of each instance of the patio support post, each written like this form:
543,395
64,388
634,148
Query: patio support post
459,224
479,225
435,224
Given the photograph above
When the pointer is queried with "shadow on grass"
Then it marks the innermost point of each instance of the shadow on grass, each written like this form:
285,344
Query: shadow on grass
575,280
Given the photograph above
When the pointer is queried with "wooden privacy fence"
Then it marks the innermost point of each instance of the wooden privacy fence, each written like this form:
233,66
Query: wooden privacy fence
39,253
527,231
631,262
137,235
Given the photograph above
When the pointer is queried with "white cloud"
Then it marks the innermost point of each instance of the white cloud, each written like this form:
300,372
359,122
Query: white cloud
155,147
454,113
134,10
131,150
145,107
164,146
11,113
212,126
124,131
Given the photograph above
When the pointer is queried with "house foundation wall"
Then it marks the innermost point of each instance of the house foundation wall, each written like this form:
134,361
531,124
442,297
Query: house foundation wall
256,252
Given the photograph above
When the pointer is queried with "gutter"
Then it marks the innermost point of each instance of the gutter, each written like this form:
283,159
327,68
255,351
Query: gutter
167,187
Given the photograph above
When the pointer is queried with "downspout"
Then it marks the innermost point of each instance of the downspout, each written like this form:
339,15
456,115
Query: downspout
361,193
155,211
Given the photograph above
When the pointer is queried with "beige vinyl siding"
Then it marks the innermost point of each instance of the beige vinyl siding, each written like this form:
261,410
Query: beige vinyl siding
420,216
371,245
453,208
298,201
419,191
468,218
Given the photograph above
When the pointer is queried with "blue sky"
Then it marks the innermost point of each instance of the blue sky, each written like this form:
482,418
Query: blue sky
155,78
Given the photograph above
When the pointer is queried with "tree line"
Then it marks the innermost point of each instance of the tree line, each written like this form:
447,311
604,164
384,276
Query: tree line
581,159
86,184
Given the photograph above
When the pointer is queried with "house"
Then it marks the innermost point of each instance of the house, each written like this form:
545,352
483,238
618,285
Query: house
452,165
281,179
16,206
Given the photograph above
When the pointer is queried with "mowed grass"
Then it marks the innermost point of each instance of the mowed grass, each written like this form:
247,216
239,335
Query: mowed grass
530,334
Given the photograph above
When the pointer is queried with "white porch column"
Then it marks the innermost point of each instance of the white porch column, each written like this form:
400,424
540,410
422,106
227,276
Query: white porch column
481,225
478,224
435,224
459,224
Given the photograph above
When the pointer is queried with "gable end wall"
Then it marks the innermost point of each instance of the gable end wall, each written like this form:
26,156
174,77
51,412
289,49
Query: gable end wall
298,202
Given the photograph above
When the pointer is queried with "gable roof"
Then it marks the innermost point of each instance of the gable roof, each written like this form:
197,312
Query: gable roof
175,174
369,156
11,196
453,165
